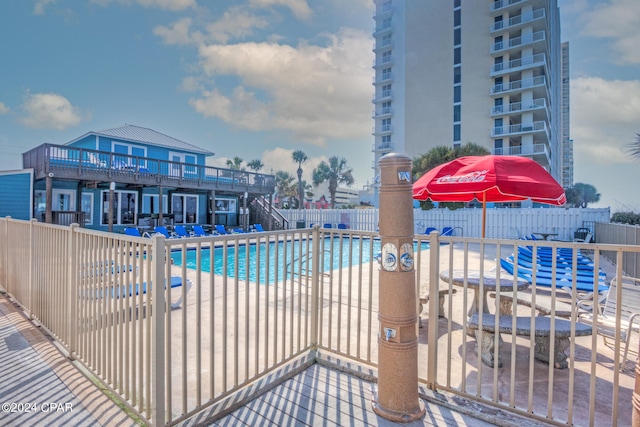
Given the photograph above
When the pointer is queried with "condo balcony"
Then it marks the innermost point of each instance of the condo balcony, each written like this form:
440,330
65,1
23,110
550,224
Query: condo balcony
519,85
384,78
518,21
382,44
519,129
519,107
501,5
518,42
537,152
384,95
519,64
382,112
382,130
384,147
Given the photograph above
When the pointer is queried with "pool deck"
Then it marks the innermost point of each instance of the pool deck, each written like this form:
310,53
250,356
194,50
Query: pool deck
36,371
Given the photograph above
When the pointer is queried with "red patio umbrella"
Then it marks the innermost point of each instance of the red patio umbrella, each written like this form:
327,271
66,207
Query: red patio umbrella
489,179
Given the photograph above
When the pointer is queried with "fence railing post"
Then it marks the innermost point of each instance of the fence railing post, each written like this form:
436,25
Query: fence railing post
432,320
31,264
315,284
158,308
72,315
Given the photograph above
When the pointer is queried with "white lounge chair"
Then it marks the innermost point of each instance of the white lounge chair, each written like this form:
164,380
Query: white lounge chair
627,307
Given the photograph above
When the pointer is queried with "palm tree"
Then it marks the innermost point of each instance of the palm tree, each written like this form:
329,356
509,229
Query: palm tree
299,157
335,172
634,147
285,186
235,164
255,165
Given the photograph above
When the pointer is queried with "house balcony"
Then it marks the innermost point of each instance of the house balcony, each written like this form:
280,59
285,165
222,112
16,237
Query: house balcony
520,64
519,85
518,21
518,43
385,10
519,107
79,164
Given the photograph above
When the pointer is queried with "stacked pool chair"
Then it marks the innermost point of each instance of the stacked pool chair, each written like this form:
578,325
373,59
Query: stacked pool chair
584,267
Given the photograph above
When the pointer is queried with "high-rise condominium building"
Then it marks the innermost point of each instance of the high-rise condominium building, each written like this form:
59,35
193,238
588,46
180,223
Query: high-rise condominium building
449,72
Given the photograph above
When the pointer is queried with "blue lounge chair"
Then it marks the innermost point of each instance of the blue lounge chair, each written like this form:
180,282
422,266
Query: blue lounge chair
447,231
220,229
258,227
327,225
342,226
161,229
181,231
237,230
198,231
430,230
132,231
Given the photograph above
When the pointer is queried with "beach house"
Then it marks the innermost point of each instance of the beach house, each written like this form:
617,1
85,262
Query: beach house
128,176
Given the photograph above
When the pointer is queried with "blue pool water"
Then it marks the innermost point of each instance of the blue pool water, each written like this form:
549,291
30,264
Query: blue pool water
276,262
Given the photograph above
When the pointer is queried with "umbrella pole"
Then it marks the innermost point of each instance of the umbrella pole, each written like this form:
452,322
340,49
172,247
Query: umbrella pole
484,212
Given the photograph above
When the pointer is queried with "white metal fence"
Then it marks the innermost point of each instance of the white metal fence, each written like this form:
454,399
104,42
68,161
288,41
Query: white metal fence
501,223
260,300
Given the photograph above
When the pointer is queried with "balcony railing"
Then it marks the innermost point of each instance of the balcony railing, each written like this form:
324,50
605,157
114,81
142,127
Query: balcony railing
525,18
496,5
522,150
518,42
518,107
519,128
381,129
526,62
382,146
519,85
64,162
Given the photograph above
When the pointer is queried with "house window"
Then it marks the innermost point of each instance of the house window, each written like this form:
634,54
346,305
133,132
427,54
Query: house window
87,208
457,18
456,133
184,208
386,57
63,200
175,166
151,204
457,36
131,155
386,90
456,93
125,207
386,125
386,74
386,107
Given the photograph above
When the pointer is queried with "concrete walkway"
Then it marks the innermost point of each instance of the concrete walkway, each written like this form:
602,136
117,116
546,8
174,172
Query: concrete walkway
39,386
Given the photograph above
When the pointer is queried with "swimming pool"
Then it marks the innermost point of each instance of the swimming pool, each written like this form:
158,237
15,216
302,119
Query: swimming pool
275,261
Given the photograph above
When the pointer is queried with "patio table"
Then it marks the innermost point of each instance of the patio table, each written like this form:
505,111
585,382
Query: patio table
545,236
490,283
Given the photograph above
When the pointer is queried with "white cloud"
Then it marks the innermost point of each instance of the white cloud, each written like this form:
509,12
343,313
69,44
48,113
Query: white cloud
300,8
314,92
49,111
236,23
3,108
605,117
616,20
38,8
160,4
177,34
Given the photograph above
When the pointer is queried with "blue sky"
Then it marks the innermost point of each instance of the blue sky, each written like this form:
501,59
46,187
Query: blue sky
260,78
